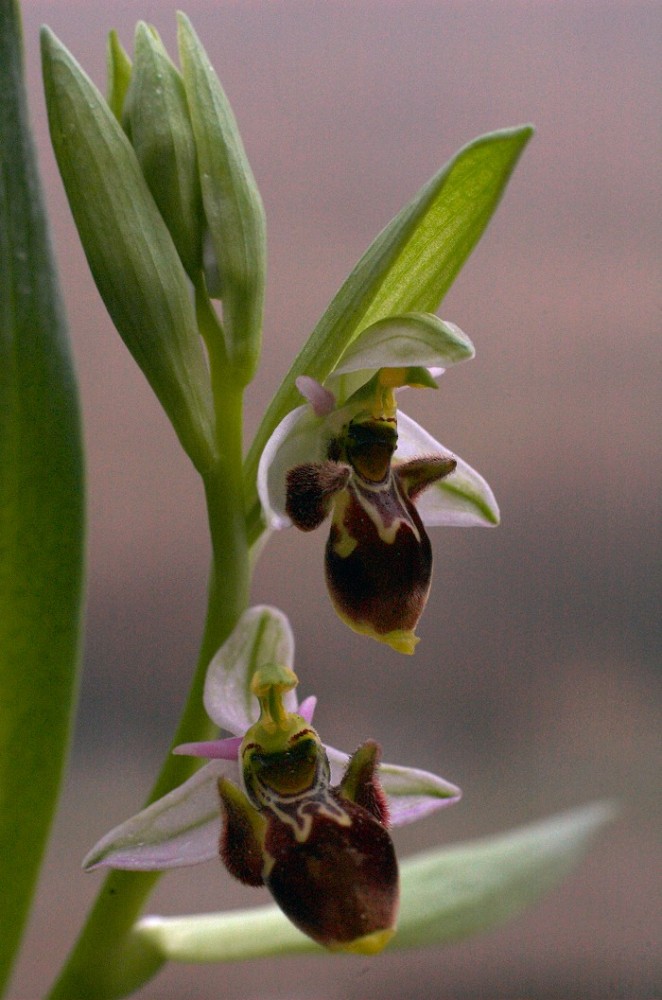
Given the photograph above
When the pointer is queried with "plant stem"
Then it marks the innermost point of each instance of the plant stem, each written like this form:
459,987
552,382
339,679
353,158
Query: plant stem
108,961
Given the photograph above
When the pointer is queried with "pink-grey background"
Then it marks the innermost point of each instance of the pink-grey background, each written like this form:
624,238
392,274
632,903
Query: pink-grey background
536,683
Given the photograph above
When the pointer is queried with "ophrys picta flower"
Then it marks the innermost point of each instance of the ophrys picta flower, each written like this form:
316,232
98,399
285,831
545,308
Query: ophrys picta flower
350,453
280,807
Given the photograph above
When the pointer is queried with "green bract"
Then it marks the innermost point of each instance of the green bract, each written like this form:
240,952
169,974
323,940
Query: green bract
446,895
156,119
118,68
232,203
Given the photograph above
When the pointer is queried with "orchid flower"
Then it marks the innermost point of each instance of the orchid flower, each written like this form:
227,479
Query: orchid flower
348,452
278,787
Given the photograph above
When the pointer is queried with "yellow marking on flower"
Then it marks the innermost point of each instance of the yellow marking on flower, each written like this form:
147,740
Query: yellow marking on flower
401,640
387,533
302,824
369,944
345,543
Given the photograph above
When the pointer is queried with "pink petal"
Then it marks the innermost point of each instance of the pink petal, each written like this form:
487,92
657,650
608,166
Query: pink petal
322,400
307,707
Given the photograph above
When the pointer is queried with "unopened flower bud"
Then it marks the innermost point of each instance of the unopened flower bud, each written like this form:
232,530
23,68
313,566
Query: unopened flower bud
156,119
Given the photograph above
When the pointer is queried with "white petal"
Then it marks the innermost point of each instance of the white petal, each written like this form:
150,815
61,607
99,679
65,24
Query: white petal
298,438
182,828
262,636
322,400
462,499
411,793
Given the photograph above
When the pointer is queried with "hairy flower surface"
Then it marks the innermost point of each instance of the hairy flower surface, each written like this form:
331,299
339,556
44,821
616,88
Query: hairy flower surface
305,819
351,454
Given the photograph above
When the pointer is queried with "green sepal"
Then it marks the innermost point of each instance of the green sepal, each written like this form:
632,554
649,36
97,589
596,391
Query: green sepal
41,511
423,336
262,637
409,267
232,204
118,71
156,119
129,249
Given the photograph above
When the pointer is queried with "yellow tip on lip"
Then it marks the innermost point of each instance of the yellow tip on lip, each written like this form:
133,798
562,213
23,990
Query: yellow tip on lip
369,944
402,640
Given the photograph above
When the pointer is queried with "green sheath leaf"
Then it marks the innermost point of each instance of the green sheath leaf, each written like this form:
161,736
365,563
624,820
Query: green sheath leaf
41,511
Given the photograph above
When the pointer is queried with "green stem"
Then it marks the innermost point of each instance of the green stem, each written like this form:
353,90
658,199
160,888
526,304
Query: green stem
108,960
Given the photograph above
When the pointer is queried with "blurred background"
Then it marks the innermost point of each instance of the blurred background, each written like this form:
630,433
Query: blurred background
536,684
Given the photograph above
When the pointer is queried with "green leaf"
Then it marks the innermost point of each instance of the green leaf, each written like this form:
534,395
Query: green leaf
456,892
445,895
409,268
129,249
41,511
232,203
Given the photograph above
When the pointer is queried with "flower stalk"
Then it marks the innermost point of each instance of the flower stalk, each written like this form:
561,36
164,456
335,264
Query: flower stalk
108,960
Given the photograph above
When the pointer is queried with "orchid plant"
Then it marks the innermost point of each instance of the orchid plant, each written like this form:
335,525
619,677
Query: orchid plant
172,224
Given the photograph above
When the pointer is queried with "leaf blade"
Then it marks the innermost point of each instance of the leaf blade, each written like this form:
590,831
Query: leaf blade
41,511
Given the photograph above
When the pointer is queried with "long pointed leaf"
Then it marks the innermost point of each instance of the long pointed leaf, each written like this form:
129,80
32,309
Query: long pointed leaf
41,511
446,895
